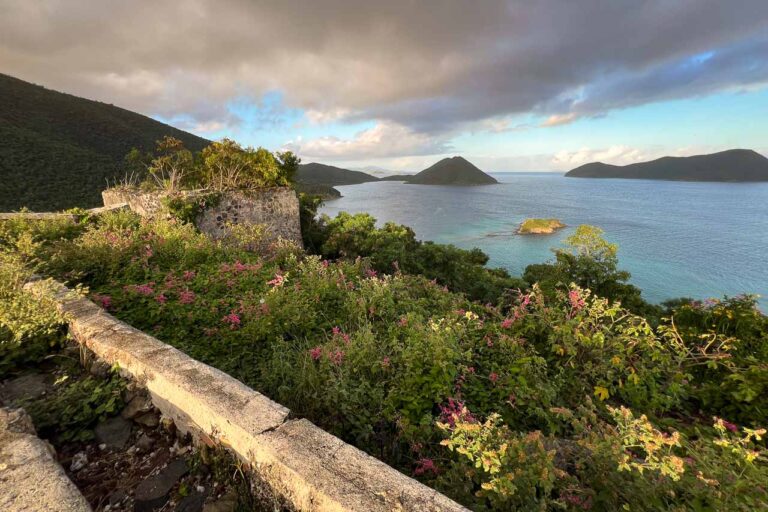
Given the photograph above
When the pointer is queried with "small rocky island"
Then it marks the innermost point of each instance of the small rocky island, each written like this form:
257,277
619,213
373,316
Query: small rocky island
539,226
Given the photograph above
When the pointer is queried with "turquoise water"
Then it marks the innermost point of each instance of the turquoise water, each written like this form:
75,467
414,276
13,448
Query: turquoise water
676,238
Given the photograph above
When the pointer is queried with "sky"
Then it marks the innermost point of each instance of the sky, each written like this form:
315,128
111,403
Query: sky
510,85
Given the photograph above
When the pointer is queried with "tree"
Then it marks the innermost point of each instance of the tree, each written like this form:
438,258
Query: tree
173,165
589,261
228,165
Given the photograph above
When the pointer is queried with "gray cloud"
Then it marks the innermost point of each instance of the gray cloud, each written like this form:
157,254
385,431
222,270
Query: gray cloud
433,67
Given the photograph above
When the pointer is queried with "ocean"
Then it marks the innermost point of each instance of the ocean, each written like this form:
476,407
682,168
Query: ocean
677,239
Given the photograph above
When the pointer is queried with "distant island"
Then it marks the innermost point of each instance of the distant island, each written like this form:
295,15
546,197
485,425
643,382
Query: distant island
448,171
326,192
539,226
321,174
452,171
735,165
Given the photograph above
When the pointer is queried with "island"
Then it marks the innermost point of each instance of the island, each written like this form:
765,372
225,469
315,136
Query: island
539,226
734,165
326,192
321,174
452,171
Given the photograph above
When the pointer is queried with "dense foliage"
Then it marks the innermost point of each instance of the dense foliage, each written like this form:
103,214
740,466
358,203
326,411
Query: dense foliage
394,248
549,400
58,151
223,165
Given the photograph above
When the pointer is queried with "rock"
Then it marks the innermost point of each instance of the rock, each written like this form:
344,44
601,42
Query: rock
227,503
29,386
192,503
145,443
113,432
152,493
79,461
148,419
138,405
117,497
99,369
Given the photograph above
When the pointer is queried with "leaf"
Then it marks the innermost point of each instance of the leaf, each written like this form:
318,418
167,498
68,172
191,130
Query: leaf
601,393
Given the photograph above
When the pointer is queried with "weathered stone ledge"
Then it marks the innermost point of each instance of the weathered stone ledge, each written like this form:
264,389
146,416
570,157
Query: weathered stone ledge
30,478
310,468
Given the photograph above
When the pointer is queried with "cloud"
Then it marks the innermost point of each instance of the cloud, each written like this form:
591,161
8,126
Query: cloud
559,119
431,68
623,155
384,140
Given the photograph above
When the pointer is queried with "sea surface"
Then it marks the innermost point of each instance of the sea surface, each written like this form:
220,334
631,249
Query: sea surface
676,238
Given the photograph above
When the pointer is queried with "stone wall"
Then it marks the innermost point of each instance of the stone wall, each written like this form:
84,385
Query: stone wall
306,466
30,478
277,209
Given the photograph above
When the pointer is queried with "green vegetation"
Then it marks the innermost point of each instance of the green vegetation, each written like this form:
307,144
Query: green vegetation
75,405
223,165
58,151
539,226
549,398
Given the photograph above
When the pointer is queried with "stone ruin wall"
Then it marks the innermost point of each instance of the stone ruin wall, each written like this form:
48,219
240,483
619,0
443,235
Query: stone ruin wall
277,209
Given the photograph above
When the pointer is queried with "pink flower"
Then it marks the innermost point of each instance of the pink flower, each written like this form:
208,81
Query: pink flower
337,357
278,280
730,426
576,300
162,299
402,322
105,301
455,411
316,353
371,273
189,275
507,323
142,289
233,319
336,331
385,362
187,297
471,369
425,465
493,376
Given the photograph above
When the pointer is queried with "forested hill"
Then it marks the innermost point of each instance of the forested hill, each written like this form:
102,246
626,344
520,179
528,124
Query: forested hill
452,171
731,165
58,150
321,174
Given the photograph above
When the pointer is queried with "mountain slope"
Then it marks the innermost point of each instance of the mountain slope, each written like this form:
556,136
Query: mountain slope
731,165
321,174
58,151
452,171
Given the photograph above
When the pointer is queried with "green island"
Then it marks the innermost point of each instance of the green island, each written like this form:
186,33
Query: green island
539,226
560,389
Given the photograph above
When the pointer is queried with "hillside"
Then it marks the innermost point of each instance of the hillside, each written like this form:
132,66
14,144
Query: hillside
731,165
452,171
321,174
58,151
